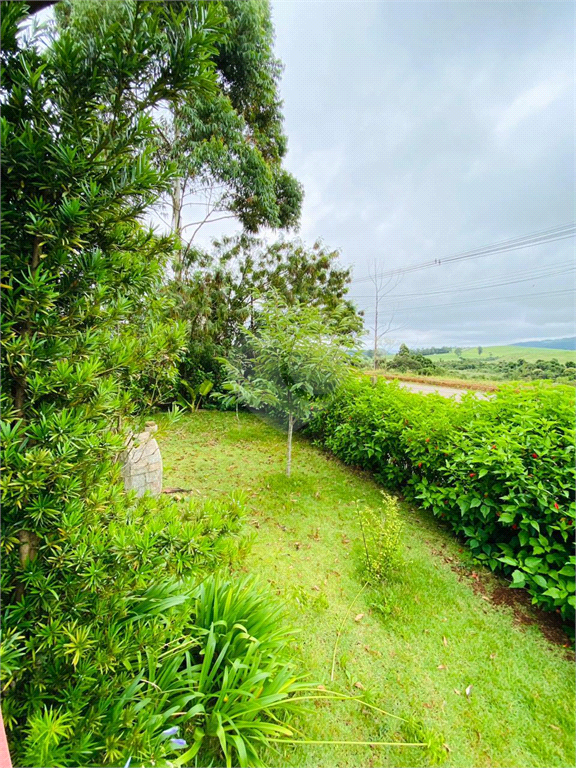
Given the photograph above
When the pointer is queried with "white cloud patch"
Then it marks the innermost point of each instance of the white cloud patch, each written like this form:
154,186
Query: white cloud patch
531,102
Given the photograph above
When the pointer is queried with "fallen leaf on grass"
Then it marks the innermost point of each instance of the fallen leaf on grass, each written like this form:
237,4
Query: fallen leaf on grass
317,589
360,686
441,666
345,539
321,687
359,617
457,691
492,655
556,727
468,691
444,640
446,747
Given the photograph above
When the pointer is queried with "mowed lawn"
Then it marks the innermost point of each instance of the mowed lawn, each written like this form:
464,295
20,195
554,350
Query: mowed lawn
482,690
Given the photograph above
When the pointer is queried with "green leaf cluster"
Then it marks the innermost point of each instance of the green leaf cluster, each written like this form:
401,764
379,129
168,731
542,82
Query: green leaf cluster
381,529
88,652
298,354
219,293
499,471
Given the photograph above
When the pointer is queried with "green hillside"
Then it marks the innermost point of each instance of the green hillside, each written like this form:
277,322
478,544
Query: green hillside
530,354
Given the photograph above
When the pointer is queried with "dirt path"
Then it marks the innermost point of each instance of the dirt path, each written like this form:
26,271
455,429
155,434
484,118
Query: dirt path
427,389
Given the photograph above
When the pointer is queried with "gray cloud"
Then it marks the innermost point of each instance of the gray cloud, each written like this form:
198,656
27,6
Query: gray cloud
421,129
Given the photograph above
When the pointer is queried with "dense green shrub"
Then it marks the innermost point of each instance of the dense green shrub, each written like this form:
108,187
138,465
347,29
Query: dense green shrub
90,579
203,361
101,623
150,648
241,674
499,471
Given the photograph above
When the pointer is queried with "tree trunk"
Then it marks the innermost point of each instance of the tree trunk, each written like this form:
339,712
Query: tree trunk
376,334
177,218
29,542
289,457
177,199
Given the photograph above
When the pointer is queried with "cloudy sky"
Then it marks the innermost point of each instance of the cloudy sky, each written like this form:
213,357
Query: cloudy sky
425,129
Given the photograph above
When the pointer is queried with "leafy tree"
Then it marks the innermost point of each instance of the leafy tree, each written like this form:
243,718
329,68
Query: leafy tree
227,145
480,350
79,276
458,352
409,361
299,354
219,293
229,148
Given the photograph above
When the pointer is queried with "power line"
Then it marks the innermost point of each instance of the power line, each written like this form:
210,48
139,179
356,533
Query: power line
479,301
562,268
526,241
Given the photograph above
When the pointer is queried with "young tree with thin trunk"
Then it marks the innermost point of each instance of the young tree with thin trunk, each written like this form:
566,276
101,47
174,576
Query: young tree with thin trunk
299,354
380,328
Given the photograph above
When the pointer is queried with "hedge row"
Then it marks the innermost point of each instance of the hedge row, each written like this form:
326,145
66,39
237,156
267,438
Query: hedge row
500,472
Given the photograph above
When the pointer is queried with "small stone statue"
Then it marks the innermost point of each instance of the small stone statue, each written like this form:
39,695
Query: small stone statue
142,462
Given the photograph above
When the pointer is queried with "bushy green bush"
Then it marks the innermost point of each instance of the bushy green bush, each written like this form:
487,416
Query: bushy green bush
146,646
203,361
83,654
499,471
241,673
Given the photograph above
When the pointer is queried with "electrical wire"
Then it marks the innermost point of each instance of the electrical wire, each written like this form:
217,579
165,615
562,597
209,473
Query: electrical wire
562,269
525,241
479,301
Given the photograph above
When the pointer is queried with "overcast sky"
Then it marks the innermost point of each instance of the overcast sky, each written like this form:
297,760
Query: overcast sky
423,129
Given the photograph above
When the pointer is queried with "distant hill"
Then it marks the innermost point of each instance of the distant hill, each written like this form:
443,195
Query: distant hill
569,342
510,352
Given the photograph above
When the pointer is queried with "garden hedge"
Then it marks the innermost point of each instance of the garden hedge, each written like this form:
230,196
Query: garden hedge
499,471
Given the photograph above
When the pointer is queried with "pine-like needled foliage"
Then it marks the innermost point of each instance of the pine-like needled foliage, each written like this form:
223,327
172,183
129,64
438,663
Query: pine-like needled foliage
79,326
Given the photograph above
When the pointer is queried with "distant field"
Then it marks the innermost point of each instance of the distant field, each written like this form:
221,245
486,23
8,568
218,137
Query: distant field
530,354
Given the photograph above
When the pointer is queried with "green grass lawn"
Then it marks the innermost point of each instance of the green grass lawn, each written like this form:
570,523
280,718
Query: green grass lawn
414,646
530,354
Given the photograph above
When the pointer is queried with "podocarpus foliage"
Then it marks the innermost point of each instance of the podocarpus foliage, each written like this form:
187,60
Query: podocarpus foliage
79,273
297,354
499,472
